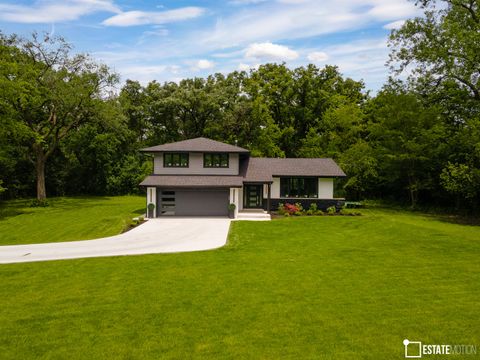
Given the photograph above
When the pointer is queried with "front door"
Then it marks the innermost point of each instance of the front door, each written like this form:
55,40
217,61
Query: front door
252,198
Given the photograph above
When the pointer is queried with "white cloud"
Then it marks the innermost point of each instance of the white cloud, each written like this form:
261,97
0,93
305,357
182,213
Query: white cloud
237,39
317,57
294,2
296,19
146,73
245,2
394,25
226,55
204,64
49,11
391,10
269,51
144,70
134,18
364,59
244,67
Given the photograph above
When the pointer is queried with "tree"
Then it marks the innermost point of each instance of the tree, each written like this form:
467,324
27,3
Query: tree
50,93
408,138
462,181
443,50
2,189
133,100
361,165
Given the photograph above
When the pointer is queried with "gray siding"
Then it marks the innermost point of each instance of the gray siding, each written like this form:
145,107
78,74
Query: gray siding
196,166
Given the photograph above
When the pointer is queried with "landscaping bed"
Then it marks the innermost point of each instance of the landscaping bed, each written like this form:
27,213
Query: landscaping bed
296,209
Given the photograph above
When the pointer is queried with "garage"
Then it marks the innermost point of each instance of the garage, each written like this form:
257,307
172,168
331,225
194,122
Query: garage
193,202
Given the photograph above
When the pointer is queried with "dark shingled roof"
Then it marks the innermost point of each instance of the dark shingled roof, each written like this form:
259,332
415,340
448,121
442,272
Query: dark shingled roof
199,144
263,169
193,181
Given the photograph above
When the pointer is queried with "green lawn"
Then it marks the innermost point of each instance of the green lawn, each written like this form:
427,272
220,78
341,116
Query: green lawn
67,219
294,288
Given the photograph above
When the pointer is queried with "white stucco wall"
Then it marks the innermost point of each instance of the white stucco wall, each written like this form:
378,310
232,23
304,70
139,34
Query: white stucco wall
275,190
325,188
195,166
234,199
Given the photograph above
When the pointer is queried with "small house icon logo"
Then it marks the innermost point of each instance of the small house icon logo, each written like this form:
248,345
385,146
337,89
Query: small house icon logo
413,349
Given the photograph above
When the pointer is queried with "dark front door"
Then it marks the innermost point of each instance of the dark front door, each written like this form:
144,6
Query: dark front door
252,198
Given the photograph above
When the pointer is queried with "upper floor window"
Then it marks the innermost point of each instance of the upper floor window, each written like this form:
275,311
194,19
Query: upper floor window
175,160
215,160
298,187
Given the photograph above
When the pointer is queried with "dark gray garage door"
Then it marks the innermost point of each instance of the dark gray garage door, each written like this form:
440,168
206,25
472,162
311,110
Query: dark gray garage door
209,202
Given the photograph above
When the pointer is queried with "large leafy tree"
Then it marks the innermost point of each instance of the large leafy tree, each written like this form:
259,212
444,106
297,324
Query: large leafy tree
408,137
462,181
49,92
442,49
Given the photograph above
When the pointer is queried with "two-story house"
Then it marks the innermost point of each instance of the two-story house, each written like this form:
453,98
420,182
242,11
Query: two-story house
201,177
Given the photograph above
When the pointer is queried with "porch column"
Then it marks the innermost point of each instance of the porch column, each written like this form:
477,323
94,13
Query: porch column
152,198
269,194
237,201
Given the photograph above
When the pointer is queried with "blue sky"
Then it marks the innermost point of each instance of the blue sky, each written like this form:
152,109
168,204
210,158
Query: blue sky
171,40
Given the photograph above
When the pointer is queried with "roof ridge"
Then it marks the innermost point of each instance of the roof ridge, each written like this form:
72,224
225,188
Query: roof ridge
198,144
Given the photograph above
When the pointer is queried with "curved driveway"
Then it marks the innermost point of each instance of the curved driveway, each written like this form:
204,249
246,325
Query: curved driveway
165,235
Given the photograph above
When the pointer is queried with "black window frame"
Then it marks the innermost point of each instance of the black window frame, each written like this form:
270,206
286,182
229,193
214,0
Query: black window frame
288,183
222,165
180,155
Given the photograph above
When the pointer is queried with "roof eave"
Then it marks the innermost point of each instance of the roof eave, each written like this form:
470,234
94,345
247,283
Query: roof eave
147,150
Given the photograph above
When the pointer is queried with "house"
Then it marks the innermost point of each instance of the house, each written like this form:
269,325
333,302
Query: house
202,177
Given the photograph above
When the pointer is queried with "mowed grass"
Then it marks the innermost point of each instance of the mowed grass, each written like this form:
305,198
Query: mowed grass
67,219
294,288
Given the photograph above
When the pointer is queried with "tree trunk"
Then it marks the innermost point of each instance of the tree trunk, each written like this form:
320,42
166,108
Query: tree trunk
40,161
413,190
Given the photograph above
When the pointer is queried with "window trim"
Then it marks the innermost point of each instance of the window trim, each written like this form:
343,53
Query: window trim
284,178
220,160
180,154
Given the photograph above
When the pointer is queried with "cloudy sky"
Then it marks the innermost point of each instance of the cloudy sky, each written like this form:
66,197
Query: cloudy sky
171,40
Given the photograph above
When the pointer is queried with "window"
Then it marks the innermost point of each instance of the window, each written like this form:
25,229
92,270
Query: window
298,187
215,160
175,160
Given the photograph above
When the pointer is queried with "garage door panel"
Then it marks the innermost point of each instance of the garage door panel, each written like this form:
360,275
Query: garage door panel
202,202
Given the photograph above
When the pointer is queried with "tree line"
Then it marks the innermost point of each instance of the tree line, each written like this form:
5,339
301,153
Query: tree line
65,130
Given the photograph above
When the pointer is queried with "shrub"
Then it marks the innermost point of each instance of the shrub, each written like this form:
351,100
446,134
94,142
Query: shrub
348,212
299,209
281,209
151,206
331,210
313,207
291,209
231,207
39,203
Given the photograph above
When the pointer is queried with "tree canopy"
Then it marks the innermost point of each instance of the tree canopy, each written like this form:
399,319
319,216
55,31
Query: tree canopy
415,141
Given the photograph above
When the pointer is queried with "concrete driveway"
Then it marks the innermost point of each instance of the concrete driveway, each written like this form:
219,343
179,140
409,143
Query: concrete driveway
165,235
